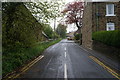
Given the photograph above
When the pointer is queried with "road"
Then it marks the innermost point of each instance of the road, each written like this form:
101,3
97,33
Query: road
66,59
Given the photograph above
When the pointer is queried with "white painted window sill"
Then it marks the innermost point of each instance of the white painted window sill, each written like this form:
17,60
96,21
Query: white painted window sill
110,15
109,30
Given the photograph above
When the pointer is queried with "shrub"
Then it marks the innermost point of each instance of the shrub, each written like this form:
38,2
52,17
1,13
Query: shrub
77,36
111,38
14,60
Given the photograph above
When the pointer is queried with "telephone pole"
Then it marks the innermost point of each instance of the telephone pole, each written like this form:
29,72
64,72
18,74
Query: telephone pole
54,27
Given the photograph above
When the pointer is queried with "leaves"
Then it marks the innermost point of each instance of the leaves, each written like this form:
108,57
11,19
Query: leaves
48,31
20,28
110,38
44,11
61,30
14,60
74,13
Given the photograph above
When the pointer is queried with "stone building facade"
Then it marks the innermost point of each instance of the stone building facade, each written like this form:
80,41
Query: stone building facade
119,11
99,16
86,29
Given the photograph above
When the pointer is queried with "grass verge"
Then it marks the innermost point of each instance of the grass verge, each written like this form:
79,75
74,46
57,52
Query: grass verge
13,60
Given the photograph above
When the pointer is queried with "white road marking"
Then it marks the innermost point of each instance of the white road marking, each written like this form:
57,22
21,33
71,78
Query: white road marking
65,54
65,71
65,48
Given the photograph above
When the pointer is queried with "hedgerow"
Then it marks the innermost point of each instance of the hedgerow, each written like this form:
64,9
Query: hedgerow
14,60
111,38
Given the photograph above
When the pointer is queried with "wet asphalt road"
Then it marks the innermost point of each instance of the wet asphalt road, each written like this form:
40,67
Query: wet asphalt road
66,60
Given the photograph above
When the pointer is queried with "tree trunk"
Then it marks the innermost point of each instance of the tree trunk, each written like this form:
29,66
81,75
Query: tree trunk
77,25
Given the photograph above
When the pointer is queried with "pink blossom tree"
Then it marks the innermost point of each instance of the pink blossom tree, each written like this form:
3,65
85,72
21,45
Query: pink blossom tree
74,13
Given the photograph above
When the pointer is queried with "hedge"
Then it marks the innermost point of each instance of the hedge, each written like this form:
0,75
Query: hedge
14,60
110,38
78,36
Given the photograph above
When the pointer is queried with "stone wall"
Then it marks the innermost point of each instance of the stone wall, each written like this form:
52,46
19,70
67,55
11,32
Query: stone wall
99,16
95,19
106,50
87,26
118,12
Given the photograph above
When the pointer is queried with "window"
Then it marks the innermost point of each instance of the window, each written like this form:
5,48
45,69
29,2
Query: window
110,10
110,26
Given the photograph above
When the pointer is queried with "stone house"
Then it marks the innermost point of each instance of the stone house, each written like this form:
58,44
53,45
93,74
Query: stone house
99,16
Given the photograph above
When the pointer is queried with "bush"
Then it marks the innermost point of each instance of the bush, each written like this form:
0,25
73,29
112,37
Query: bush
78,36
19,27
111,38
13,60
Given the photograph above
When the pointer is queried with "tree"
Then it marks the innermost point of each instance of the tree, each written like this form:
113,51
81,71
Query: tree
74,13
48,31
61,30
44,11
19,27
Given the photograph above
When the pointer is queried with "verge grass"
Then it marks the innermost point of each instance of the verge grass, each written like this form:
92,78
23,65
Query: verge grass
14,60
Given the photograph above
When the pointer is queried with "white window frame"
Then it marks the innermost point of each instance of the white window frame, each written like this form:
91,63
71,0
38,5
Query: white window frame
110,26
107,10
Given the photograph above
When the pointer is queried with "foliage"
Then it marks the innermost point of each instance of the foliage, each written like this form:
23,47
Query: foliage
78,36
14,60
55,35
48,31
74,12
20,28
111,38
20,33
61,30
44,11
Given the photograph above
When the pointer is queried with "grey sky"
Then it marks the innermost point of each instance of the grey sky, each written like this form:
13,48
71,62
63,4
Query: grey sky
70,27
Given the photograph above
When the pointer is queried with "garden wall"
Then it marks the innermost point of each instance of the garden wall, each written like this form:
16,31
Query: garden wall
106,50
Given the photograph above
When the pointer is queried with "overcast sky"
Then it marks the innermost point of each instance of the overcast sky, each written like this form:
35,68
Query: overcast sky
70,27
73,27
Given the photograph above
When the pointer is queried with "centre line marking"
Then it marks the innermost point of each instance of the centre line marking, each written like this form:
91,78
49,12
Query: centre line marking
65,54
65,71
65,48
